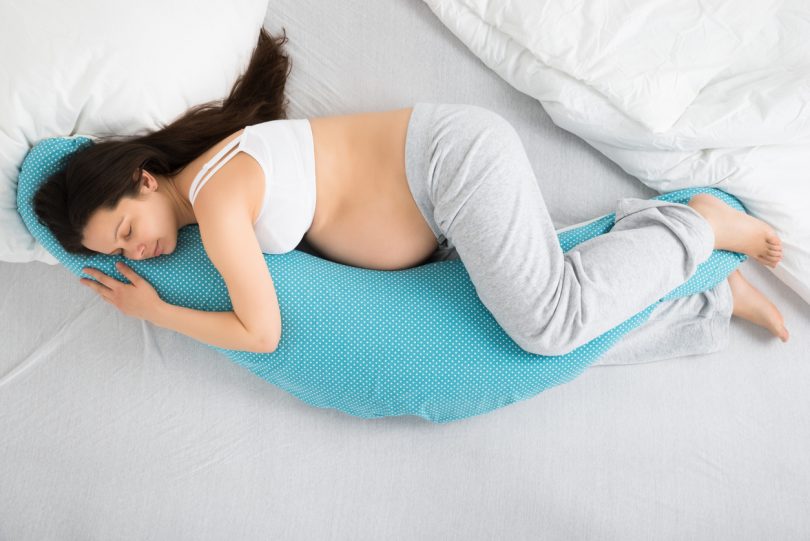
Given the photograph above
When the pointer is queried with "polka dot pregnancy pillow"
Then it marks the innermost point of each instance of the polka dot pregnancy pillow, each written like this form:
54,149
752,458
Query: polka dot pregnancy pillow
371,343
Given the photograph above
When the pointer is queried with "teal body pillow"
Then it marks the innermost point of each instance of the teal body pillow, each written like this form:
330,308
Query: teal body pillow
371,343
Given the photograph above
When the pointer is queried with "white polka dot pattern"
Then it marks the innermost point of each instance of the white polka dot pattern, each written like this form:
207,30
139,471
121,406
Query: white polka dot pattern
366,342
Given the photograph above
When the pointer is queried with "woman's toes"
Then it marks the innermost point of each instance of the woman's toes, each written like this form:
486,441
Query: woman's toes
770,258
768,261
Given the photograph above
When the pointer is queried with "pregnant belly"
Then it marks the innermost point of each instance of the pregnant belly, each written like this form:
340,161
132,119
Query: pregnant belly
367,216
381,229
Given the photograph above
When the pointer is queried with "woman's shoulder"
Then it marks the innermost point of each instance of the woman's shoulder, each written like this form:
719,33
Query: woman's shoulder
240,182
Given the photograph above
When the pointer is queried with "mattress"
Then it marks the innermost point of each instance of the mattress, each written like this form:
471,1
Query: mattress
113,428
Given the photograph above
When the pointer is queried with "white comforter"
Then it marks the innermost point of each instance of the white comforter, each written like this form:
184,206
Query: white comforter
679,93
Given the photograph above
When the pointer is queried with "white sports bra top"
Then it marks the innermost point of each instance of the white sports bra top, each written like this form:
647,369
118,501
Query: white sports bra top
285,151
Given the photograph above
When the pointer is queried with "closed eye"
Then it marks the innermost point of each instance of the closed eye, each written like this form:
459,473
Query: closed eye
121,252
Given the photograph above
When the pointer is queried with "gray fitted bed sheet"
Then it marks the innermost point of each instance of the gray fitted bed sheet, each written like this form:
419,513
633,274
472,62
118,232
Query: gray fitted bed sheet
111,428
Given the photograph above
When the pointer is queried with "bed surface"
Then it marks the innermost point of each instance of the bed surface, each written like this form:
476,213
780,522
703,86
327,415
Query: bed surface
116,429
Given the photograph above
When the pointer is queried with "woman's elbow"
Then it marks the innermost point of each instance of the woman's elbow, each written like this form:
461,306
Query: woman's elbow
267,344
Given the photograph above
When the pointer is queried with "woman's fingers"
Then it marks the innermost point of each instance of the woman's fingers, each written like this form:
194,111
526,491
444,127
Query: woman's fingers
101,279
130,274
98,288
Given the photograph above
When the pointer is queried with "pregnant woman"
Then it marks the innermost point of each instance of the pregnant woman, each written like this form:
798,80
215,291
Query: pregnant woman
384,191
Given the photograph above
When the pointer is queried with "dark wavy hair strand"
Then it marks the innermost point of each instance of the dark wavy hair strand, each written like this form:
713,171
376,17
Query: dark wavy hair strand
100,175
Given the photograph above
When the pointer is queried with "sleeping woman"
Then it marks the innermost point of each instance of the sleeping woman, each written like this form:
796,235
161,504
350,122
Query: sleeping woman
380,190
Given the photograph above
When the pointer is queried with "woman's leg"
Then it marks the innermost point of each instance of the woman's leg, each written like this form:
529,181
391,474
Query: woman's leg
692,325
471,178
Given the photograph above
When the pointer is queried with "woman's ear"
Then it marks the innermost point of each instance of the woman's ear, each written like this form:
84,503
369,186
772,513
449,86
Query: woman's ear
148,182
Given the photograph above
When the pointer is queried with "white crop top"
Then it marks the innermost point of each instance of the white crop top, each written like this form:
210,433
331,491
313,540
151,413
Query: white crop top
285,151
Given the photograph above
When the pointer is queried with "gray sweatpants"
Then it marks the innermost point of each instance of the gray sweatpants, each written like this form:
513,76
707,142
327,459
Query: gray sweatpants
473,182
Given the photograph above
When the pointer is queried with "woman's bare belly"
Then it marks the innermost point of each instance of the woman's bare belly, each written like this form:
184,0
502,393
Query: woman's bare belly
365,214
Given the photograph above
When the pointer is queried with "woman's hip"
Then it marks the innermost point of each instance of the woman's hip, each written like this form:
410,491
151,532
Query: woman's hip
451,149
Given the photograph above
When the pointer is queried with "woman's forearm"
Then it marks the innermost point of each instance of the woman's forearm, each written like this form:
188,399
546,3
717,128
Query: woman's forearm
220,329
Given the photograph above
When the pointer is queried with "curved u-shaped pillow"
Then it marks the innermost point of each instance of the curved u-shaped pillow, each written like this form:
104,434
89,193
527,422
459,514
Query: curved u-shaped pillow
367,342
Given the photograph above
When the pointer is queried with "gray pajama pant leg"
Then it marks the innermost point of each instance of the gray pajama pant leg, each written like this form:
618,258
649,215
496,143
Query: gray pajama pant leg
693,325
471,178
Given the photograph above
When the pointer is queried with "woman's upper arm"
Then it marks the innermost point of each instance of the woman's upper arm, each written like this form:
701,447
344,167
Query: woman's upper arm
226,229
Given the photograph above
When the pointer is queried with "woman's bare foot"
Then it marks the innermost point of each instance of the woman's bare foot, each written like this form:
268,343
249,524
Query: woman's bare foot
736,231
751,304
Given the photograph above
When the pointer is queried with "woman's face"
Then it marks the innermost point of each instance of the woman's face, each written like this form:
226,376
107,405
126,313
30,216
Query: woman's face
136,226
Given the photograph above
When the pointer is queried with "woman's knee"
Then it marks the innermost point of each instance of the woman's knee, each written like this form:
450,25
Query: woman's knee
483,120
542,344
547,350
494,121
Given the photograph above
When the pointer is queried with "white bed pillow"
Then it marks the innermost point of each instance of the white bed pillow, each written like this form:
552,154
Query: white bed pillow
99,67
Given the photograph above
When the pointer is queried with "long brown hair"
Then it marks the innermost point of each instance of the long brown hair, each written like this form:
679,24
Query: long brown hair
100,175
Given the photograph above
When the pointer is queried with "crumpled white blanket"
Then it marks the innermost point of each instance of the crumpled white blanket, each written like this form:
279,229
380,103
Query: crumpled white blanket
678,93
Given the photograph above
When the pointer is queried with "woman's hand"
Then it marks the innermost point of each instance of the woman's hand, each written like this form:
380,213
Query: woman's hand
138,299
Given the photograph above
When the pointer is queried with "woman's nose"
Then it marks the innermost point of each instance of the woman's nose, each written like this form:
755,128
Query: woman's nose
139,252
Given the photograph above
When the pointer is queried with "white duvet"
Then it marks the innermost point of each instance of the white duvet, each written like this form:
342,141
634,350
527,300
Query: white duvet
679,93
